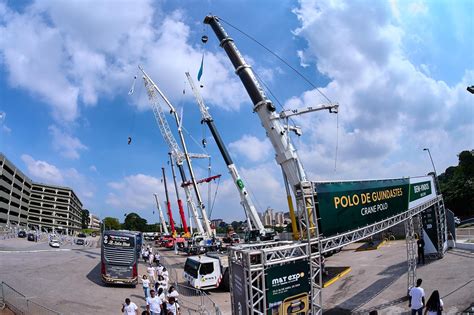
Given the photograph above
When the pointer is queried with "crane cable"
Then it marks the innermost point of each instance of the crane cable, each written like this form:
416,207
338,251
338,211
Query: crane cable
278,57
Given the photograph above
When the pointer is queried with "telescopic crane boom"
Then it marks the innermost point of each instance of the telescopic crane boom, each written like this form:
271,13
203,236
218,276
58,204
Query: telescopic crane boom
160,212
178,155
286,155
253,219
168,204
180,204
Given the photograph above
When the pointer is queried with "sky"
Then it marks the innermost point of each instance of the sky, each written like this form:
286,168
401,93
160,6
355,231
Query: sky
398,69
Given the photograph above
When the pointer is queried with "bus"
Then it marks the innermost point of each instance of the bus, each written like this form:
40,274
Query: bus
119,257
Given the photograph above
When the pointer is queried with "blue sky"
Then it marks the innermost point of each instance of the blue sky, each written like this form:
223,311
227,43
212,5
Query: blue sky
398,69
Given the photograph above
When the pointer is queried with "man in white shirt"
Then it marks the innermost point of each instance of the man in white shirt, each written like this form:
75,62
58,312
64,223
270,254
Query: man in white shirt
153,304
129,308
417,298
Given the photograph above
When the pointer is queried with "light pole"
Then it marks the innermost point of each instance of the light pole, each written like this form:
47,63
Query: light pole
434,168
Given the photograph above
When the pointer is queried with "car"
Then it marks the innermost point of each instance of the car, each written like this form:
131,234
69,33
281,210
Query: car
22,234
80,241
31,237
81,235
54,243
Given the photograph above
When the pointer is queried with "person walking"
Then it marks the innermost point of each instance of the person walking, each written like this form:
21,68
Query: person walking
172,308
173,293
150,258
153,304
165,274
416,299
421,249
146,286
434,306
129,308
151,273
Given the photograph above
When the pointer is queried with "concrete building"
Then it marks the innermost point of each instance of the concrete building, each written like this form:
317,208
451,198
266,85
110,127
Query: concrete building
55,207
94,222
37,205
279,219
15,190
268,218
216,222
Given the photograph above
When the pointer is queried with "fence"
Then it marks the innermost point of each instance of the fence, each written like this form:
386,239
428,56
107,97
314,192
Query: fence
20,304
191,300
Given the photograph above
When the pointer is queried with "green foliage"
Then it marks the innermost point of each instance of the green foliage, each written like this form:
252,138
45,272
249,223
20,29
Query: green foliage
85,220
134,222
112,223
457,185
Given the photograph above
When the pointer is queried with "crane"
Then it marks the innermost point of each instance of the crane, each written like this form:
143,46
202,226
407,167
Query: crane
160,212
180,204
168,204
203,224
253,220
286,155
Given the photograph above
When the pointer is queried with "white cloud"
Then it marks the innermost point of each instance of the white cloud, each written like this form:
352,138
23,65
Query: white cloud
389,109
252,148
92,168
42,171
47,173
67,145
93,49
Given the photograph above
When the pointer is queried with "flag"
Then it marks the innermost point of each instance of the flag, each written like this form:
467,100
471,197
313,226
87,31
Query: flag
201,68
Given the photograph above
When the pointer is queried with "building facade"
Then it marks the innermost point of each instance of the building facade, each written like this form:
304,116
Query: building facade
279,219
54,208
34,205
268,218
15,190
94,222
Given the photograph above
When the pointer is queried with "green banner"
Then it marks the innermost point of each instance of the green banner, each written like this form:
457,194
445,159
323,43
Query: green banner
420,190
345,206
288,288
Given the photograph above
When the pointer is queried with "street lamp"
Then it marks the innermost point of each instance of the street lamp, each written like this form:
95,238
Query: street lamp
434,168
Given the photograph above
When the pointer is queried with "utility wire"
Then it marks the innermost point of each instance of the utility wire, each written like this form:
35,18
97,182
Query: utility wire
278,57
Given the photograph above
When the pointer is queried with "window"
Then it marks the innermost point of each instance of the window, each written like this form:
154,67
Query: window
16,205
206,269
34,203
9,170
5,189
23,216
33,218
27,185
5,200
47,212
50,191
17,196
13,213
36,196
3,210
19,178
34,211
36,188
6,179
47,205
46,220
17,186
26,192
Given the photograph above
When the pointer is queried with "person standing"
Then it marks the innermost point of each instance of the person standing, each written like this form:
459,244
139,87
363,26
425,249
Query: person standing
434,306
129,308
172,307
150,258
421,249
146,286
153,304
416,299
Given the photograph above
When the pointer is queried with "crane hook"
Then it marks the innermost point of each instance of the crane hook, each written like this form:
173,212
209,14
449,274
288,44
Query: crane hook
129,140
204,38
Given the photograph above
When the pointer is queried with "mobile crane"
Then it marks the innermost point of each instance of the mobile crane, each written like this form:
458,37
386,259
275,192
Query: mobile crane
256,230
162,217
202,224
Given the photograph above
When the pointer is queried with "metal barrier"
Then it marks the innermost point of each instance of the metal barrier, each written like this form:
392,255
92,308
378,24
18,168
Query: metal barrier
20,304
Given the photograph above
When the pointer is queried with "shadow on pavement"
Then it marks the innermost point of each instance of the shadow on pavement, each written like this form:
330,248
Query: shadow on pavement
94,276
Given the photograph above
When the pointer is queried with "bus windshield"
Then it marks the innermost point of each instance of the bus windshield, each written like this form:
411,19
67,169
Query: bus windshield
191,267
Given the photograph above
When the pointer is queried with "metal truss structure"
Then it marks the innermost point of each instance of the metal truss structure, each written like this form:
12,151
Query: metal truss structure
256,258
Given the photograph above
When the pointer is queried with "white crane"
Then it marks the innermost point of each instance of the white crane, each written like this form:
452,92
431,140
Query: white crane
155,96
253,219
160,212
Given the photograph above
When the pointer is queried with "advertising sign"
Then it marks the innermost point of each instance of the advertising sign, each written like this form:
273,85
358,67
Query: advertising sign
345,206
288,288
239,305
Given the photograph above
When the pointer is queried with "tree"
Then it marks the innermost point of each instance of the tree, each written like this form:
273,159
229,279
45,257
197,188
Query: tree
85,220
457,185
134,222
111,223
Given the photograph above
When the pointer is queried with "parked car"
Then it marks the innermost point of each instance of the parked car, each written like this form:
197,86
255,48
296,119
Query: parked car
31,237
81,235
54,243
80,241
22,234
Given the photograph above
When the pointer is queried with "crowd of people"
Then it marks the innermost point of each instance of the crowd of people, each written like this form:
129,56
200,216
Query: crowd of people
160,297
